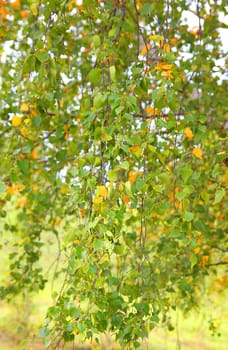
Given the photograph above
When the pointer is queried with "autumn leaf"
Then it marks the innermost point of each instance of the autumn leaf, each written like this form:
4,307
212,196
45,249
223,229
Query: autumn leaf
145,50
188,133
15,4
163,66
24,107
15,188
35,188
151,111
102,191
167,74
24,131
35,153
24,14
197,250
136,150
16,120
198,153
125,198
153,235
204,260
98,200
166,48
22,202
133,176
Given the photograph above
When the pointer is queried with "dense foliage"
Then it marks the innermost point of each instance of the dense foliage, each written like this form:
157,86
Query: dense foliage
113,135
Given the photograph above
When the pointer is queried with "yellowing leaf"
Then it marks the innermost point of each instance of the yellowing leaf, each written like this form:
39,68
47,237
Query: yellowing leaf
151,111
132,176
35,188
136,150
34,113
82,211
167,74
24,14
102,191
188,133
15,188
58,222
166,48
154,214
35,153
16,120
163,66
64,189
153,235
120,187
24,107
98,200
125,199
24,131
204,260
198,153
15,4
22,202
145,50
197,250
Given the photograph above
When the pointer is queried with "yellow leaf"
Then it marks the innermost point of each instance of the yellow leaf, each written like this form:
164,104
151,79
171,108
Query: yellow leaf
24,14
163,66
136,150
64,189
34,113
197,250
24,131
82,211
188,133
167,74
58,222
153,235
102,191
24,107
35,188
120,187
15,188
15,4
145,50
151,111
98,200
166,48
22,202
125,199
16,120
204,260
35,153
198,153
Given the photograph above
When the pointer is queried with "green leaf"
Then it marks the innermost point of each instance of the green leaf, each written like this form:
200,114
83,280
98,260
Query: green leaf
99,101
219,194
24,166
3,187
112,70
43,332
42,56
36,121
188,216
96,41
98,244
95,75
193,260
185,173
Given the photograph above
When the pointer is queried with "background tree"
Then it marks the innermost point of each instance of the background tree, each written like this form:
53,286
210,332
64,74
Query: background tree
113,129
